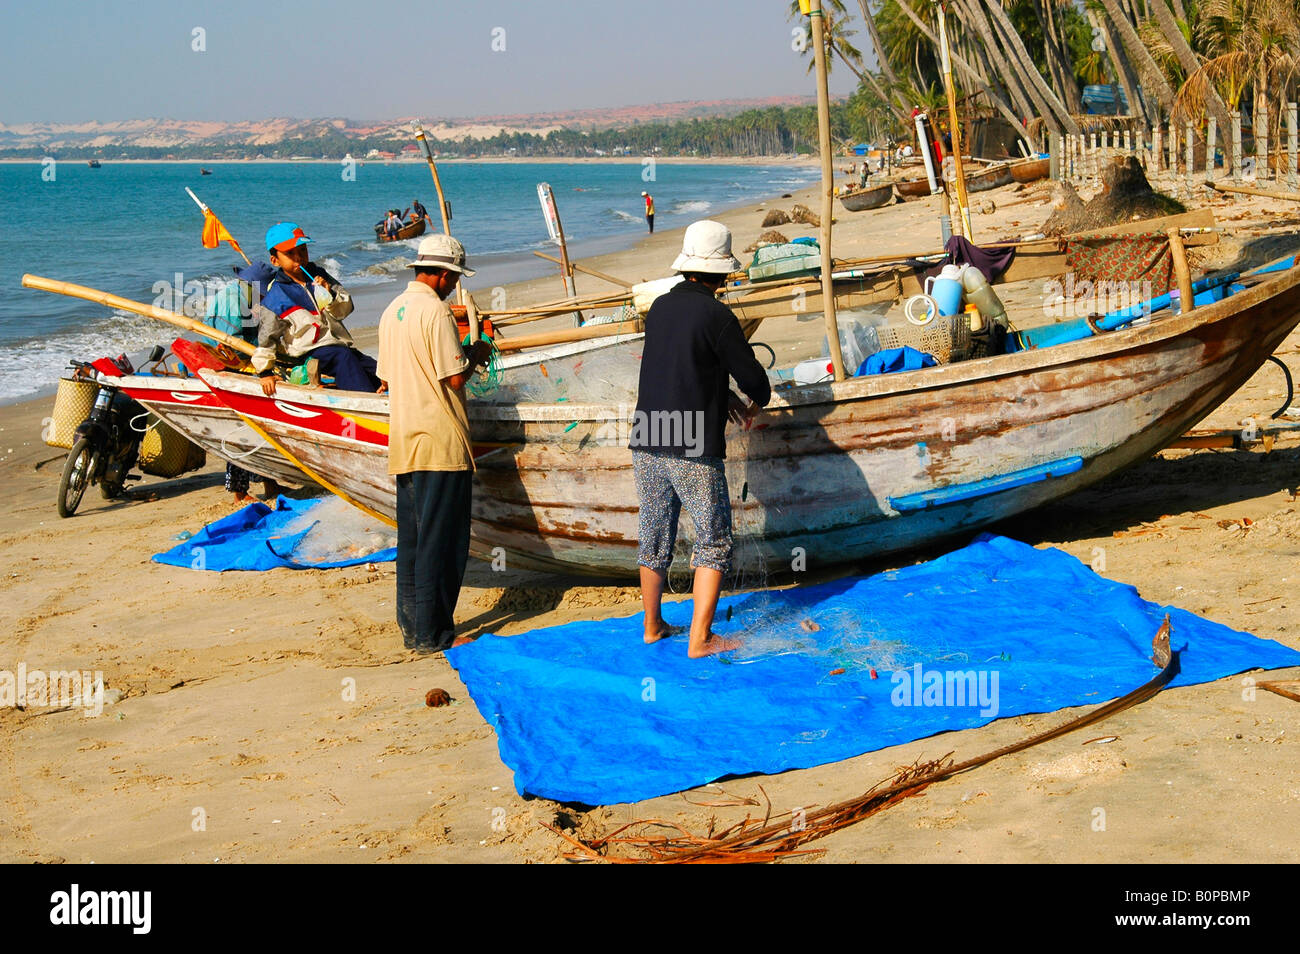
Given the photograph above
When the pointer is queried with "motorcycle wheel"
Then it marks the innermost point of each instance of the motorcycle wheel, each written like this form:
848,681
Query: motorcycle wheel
76,477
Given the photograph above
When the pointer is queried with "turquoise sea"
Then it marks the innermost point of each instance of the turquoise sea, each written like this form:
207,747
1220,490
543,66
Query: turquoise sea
130,229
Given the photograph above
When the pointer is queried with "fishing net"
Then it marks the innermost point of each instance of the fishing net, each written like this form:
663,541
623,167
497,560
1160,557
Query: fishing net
488,379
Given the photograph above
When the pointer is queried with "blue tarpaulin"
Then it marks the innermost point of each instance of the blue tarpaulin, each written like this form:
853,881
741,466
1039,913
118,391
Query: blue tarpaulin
301,534
586,712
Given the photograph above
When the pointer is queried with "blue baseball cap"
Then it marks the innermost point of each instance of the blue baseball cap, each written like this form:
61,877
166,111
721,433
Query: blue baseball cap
285,235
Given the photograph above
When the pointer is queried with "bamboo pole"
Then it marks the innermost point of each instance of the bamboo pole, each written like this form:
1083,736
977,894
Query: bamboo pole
585,270
138,308
461,294
1261,143
1184,274
1254,190
954,128
570,334
828,198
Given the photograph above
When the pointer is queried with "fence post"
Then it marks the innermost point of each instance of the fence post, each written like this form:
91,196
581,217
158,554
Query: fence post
1189,152
1210,132
1093,168
1236,146
1261,142
1291,145
1156,153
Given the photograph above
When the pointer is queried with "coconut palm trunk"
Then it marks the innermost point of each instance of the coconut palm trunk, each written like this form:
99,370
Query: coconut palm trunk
1023,62
1015,87
1138,104
1188,60
1153,78
967,70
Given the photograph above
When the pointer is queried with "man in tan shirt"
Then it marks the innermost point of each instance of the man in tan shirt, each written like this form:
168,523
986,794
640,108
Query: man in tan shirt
421,359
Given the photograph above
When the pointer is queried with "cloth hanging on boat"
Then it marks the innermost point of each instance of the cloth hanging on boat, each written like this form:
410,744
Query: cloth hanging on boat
892,360
991,261
313,534
586,712
1122,258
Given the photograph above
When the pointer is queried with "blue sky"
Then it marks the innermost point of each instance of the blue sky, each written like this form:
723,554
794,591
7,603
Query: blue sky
364,59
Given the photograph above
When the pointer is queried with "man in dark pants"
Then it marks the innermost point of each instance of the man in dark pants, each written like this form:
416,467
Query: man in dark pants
693,347
649,211
421,359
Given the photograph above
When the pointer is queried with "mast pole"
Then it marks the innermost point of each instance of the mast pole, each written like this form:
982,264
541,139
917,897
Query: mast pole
814,11
963,203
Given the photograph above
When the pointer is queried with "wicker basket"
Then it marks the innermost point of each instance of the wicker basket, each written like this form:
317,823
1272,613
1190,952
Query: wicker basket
166,453
72,405
947,339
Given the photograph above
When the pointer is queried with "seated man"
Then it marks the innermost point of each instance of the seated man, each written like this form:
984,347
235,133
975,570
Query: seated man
393,225
418,211
302,316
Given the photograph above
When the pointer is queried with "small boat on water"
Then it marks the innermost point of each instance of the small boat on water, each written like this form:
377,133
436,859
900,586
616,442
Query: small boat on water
205,172
869,197
93,163
1030,170
409,231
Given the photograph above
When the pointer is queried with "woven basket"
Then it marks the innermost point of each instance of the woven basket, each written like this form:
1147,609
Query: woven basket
72,405
166,453
947,339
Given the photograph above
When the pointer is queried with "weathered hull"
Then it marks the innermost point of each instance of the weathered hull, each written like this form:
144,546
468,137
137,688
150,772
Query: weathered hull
1030,170
841,472
992,177
864,199
339,439
831,474
189,405
911,188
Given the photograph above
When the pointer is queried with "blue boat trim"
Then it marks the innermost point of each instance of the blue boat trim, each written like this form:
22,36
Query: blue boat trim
989,485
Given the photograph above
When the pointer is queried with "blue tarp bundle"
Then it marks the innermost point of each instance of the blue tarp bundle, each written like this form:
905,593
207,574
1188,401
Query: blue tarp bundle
259,538
586,712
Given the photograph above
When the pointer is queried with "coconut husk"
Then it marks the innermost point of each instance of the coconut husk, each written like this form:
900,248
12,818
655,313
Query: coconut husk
770,237
805,216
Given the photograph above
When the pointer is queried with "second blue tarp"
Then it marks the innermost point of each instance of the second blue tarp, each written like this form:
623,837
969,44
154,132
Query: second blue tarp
586,712
315,534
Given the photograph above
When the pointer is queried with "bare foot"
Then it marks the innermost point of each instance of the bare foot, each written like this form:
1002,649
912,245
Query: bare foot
662,632
243,498
713,643
462,640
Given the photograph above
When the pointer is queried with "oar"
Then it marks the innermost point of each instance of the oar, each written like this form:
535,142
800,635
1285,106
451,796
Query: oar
139,308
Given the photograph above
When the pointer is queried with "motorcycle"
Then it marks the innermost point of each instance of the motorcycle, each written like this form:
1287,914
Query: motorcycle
107,443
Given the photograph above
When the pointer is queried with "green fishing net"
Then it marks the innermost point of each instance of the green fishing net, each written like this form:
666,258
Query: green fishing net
489,378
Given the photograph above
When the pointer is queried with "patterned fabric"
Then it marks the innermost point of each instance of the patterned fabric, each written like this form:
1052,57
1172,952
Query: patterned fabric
664,484
1124,258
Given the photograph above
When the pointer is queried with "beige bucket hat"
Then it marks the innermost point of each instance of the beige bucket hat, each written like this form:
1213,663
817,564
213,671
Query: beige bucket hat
441,251
706,247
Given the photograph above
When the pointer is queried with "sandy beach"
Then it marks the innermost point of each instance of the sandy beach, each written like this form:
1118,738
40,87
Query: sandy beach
275,717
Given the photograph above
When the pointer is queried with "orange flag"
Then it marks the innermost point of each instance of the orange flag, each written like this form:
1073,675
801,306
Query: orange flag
214,233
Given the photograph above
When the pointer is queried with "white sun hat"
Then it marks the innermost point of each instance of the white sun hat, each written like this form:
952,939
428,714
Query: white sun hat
706,247
441,251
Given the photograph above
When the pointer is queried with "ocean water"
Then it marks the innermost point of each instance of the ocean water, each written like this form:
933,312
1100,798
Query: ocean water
130,229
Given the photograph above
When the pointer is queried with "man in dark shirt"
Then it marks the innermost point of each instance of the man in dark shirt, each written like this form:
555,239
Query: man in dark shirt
693,343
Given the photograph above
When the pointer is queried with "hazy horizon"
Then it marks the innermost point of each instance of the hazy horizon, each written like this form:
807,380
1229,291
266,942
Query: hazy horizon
244,61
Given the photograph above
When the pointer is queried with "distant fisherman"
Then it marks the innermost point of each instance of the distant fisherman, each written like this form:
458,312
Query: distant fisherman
649,210
693,343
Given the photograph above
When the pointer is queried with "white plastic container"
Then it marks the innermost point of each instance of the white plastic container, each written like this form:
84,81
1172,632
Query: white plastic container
814,371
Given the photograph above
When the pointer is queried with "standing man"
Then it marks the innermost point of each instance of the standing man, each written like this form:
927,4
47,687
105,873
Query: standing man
419,212
649,210
420,358
693,343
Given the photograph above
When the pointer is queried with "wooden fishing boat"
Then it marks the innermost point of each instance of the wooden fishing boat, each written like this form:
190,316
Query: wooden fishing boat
93,163
870,197
409,231
991,177
189,406
1030,170
833,473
